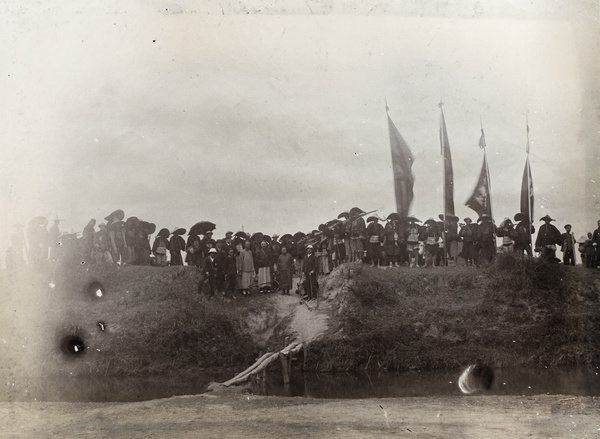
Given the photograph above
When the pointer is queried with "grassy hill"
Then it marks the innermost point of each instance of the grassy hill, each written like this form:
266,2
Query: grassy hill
149,320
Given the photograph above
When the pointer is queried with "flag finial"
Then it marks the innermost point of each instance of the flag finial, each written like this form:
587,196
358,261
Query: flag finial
387,109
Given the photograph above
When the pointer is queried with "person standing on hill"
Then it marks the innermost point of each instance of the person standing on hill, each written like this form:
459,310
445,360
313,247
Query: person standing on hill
468,232
487,239
230,271
176,245
357,233
568,246
210,268
193,251
285,268
596,246
412,240
263,263
87,240
375,234
391,241
547,238
245,268
160,247
522,235
310,268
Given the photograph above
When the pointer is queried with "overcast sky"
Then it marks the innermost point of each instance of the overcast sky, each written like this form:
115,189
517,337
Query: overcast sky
249,114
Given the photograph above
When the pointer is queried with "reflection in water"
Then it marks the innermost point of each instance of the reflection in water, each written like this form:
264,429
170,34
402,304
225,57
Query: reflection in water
565,381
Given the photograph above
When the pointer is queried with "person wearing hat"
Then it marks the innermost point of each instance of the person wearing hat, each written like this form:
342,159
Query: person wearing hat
486,240
413,233
87,240
522,235
245,268
102,246
210,267
285,270
568,246
431,238
118,243
53,235
596,246
375,235
357,236
587,250
176,246
469,233
547,238
263,262
309,269
506,231
193,250
160,247
394,242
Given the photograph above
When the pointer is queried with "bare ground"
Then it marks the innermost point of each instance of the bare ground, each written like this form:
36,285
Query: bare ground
247,416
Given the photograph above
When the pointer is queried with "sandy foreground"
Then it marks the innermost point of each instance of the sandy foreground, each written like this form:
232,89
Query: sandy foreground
248,416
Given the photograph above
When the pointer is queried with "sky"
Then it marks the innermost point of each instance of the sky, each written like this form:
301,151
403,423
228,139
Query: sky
270,116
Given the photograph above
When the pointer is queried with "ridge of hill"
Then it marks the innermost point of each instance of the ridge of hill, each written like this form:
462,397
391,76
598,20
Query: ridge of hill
150,320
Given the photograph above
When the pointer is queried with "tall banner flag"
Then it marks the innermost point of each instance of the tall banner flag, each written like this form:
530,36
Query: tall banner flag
402,160
527,192
447,156
481,200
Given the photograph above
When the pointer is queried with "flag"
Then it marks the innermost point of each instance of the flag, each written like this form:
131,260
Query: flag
448,177
527,191
481,201
402,161
482,140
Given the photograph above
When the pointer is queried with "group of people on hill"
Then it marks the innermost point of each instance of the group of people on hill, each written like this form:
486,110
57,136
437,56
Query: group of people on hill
241,260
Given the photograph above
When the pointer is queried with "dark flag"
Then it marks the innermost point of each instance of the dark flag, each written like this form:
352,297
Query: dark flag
481,201
402,161
527,191
448,177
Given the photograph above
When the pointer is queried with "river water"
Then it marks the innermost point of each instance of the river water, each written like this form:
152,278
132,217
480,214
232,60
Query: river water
579,381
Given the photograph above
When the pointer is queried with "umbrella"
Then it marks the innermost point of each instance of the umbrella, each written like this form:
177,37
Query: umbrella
178,231
393,217
344,215
202,227
267,238
258,236
520,217
299,235
286,237
117,214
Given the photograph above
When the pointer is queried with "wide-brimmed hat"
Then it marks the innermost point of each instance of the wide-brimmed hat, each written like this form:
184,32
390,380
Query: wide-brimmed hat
163,232
372,218
521,217
393,217
309,247
547,218
430,221
485,216
467,219
132,221
344,215
356,211
213,250
228,234
178,231
117,214
568,225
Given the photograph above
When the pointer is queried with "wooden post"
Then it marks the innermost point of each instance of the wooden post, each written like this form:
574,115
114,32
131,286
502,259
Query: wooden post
285,367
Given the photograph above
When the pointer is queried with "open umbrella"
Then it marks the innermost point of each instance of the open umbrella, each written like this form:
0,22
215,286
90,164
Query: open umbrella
286,237
178,231
299,235
267,238
333,222
257,237
241,235
344,215
132,221
202,227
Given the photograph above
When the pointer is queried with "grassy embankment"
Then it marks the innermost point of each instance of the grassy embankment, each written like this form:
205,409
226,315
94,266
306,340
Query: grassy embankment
153,321
515,312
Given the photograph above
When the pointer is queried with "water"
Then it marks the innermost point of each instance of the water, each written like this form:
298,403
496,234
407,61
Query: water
578,381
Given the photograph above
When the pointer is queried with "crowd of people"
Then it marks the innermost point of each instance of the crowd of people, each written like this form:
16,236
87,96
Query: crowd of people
244,262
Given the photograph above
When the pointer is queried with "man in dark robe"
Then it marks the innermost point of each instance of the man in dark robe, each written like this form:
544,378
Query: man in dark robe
568,246
486,241
547,238
194,252
310,268
176,245
522,235
285,269
375,234
469,233
87,240
210,268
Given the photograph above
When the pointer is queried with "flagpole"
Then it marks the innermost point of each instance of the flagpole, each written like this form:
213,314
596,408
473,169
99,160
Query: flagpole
444,180
529,213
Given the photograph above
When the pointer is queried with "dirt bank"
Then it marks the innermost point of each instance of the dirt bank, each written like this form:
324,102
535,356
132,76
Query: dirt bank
246,416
